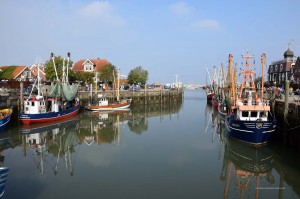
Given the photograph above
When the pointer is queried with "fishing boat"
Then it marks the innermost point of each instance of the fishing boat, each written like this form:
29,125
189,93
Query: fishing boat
249,119
5,115
61,103
103,103
210,92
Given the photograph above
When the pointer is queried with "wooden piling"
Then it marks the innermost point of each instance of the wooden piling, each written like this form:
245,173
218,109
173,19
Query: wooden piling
286,100
21,96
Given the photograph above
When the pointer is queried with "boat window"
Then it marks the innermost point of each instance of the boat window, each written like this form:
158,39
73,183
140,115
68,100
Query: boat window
253,114
244,113
32,103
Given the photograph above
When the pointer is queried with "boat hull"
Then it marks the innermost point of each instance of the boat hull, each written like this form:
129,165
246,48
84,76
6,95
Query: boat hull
40,127
48,117
5,120
251,132
209,97
108,107
222,113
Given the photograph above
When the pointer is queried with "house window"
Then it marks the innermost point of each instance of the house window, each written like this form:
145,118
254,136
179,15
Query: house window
27,74
88,67
281,67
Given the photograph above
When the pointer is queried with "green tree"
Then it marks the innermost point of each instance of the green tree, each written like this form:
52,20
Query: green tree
138,75
59,61
107,73
87,77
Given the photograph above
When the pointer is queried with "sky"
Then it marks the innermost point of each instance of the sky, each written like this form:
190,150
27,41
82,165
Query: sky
170,39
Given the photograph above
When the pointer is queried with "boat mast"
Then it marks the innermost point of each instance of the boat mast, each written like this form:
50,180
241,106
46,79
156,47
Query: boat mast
247,75
229,72
263,60
38,88
118,85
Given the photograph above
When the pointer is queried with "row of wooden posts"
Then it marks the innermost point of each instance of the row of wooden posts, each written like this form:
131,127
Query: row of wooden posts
145,96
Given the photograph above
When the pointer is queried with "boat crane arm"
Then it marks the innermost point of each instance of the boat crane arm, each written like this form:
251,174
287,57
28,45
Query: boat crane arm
52,56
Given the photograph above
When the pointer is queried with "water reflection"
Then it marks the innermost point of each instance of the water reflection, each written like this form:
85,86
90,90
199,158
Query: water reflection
5,143
244,168
161,151
51,140
60,143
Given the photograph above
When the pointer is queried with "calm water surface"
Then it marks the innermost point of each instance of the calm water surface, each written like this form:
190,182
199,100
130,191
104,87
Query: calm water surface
161,151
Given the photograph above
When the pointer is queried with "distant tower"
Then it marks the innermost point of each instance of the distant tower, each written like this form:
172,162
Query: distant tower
288,55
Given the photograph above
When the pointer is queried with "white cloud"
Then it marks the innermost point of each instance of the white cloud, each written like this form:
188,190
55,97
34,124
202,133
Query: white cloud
97,9
103,12
206,24
180,8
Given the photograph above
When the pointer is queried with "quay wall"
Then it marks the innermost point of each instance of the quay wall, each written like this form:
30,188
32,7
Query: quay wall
138,97
288,128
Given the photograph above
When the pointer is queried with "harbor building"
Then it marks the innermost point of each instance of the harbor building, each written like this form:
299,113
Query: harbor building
282,70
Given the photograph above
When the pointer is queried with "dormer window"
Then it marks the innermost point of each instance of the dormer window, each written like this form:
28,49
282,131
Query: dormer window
88,66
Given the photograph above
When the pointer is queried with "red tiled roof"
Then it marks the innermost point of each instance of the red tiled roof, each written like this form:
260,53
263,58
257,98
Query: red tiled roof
99,63
17,71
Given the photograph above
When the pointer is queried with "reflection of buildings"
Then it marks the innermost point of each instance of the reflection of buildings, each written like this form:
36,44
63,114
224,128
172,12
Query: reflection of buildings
246,169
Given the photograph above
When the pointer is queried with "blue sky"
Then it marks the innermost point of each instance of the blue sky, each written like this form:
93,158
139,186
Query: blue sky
165,37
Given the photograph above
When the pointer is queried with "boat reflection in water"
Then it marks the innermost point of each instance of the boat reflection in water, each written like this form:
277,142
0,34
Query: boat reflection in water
102,126
51,140
4,143
246,170
59,143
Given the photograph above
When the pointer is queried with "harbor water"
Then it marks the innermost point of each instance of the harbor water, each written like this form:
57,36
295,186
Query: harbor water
173,150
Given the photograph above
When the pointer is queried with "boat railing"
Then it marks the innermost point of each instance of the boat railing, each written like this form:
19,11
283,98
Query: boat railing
254,103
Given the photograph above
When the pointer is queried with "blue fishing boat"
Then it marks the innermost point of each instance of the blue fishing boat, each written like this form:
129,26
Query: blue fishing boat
5,115
250,119
3,178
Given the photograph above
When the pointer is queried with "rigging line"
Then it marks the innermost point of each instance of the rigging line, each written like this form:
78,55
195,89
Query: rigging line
75,158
